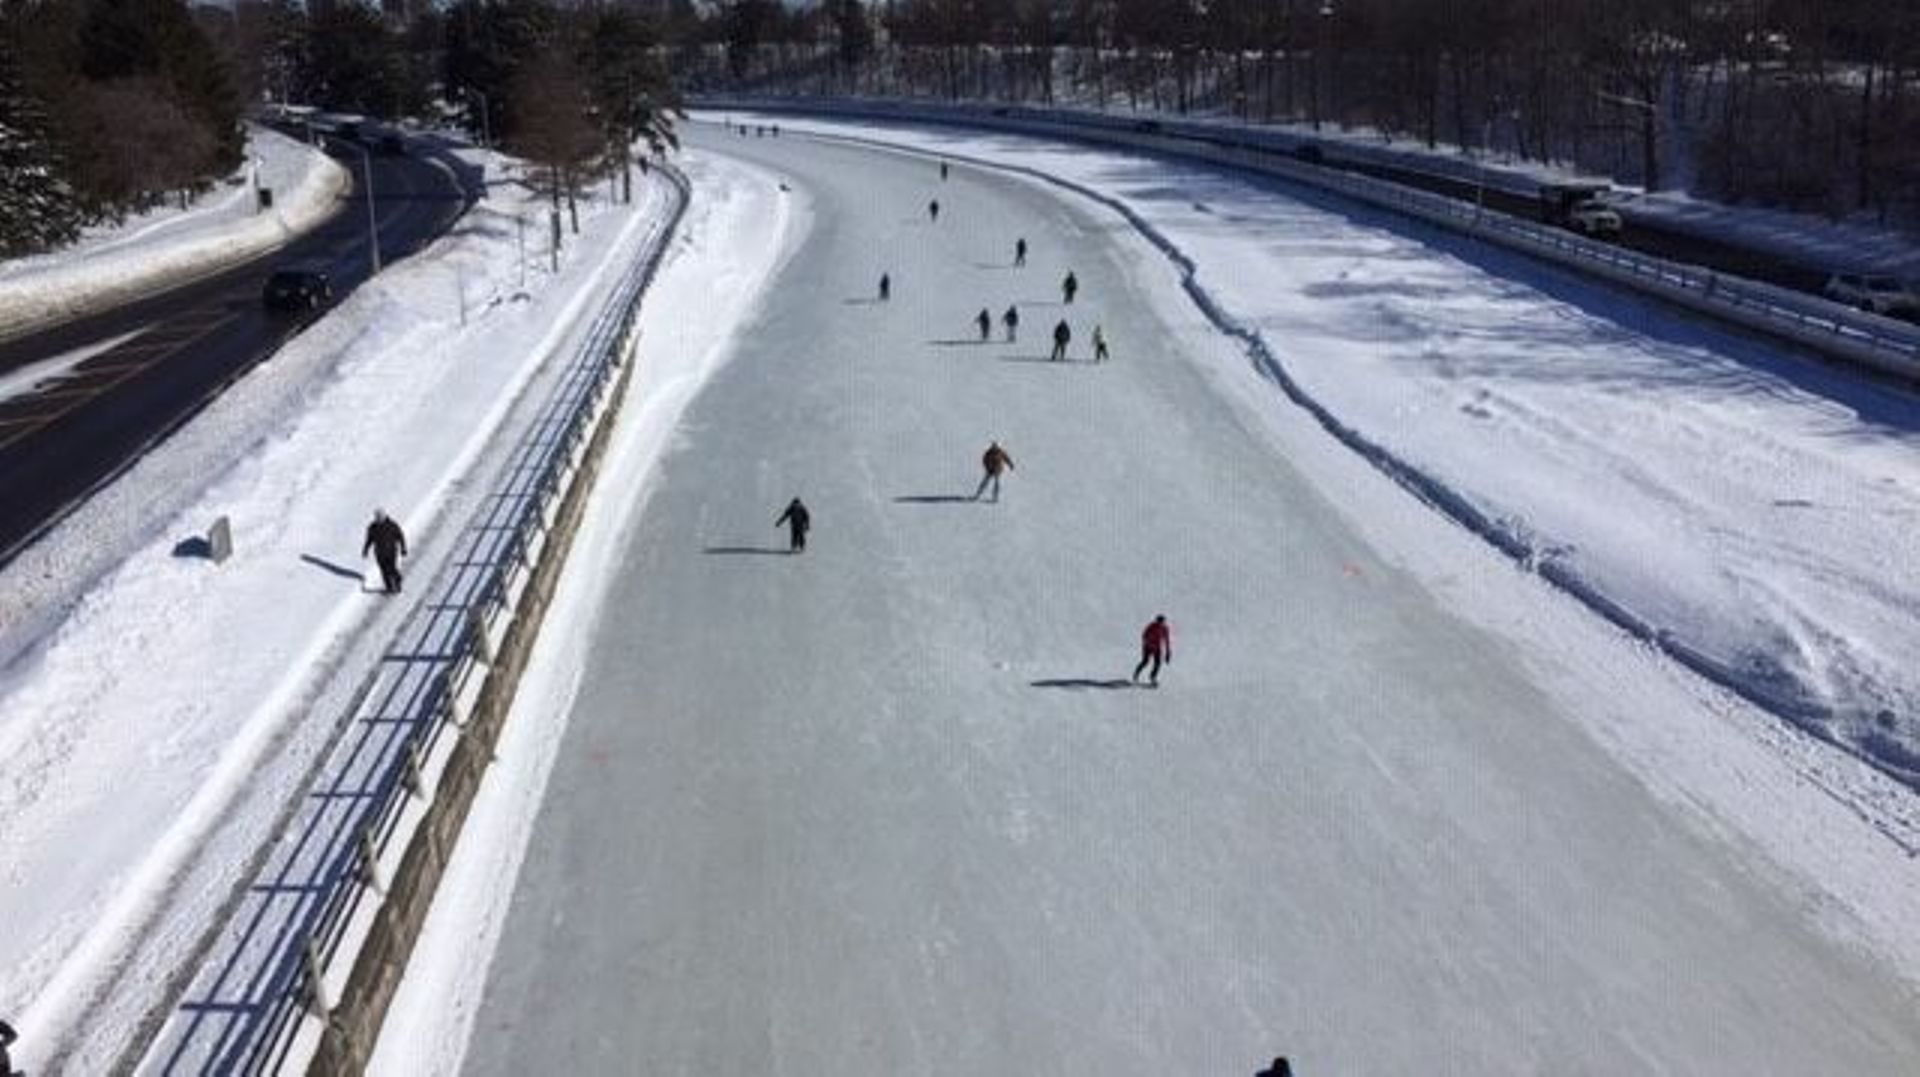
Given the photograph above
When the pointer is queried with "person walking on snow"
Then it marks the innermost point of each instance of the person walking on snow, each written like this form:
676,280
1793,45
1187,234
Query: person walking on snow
1020,251
1061,335
1099,345
985,321
886,287
1069,286
798,520
7,1036
993,462
1011,319
388,544
943,170
933,210
1156,646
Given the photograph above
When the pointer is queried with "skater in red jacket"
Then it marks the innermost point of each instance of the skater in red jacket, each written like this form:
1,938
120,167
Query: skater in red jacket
1156,646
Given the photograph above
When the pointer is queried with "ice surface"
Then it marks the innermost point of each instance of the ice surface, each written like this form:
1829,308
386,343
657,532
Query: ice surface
1743,504
882,808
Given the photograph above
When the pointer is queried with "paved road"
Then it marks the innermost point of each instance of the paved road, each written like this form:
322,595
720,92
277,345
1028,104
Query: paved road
1640,234
891,808
182,347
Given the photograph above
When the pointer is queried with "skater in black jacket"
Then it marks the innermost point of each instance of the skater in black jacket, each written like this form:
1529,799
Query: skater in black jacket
886,287
1020,251
388,544
1061,335
1069,287
798,520
985,321
933,210
7,1036
1011,319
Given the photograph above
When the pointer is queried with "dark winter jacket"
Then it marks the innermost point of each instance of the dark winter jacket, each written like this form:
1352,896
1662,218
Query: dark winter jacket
996,460
385,538
1011,317
1062,334
7,1036
796,516
1158,638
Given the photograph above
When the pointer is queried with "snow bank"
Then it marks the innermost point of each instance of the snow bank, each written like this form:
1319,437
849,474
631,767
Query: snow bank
168,246
1745,509
155,707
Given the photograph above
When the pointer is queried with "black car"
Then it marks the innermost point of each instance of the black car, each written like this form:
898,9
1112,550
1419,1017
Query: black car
302,288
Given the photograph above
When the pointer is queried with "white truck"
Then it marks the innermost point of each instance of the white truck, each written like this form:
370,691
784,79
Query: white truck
1577,206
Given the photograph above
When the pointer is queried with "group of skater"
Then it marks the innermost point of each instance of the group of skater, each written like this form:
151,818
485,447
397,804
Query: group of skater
1156,639
1010,318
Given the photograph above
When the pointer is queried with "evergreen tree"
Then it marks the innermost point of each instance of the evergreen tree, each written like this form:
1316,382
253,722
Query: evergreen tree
38,210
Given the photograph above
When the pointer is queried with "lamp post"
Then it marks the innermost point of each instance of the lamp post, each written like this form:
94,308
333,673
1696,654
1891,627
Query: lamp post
373,218
1326,44
486,123
1326,35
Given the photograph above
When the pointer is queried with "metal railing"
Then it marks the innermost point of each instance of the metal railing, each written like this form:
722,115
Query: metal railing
266,968
1830,328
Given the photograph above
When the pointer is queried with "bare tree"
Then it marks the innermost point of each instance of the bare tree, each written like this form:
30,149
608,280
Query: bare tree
554,128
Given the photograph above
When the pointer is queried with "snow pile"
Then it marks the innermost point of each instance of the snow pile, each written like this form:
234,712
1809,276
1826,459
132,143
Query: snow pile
167,245
1750,510
150,700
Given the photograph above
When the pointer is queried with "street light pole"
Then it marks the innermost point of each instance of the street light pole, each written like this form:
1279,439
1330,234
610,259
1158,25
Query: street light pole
486,121
1326,46
373,218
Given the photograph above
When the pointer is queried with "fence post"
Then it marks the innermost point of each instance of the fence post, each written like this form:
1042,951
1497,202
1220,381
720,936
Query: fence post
316,979
413,776
369,859
477,631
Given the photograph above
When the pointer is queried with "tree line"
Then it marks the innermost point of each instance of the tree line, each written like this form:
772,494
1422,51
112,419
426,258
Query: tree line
1805,104
107,106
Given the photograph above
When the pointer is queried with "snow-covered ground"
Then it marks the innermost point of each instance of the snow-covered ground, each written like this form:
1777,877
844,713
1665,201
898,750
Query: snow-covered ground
1809,239
891,806
150,700
112,264
1746,504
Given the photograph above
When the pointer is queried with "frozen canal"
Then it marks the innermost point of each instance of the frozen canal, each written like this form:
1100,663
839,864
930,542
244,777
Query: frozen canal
883,808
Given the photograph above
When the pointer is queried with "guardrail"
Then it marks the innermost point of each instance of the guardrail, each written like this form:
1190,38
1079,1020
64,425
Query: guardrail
263,999
1829,328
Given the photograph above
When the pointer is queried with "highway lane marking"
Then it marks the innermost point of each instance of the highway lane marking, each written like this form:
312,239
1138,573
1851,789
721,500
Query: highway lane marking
64,390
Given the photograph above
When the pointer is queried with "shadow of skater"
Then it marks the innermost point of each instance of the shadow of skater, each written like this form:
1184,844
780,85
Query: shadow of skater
1082,683
341,571
1280,1068
934,499
195,547
738,551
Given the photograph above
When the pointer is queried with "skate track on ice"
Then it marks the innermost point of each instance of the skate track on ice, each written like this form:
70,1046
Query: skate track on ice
847,813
